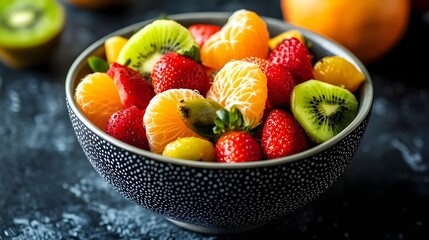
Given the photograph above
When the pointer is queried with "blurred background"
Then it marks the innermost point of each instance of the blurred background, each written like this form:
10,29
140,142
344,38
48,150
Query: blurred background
48,190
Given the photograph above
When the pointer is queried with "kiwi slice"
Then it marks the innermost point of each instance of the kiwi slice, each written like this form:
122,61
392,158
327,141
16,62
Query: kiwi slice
146,46
322,109
28,29
199,115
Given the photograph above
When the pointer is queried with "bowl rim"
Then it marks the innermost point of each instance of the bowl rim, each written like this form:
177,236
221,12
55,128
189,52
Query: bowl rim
364,108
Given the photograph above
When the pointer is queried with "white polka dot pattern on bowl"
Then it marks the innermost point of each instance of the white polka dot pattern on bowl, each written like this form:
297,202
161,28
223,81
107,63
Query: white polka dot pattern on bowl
209,197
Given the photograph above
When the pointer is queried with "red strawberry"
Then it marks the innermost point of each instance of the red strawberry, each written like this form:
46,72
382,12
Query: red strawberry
237,146
202,32
132,87
235,143
294,55
176,71
127,126
280,81
282,135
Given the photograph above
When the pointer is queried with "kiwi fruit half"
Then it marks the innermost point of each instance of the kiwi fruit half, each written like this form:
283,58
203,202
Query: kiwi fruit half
322,109
146,46
28,30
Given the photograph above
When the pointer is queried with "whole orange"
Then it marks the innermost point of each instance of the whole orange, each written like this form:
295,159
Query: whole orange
368,28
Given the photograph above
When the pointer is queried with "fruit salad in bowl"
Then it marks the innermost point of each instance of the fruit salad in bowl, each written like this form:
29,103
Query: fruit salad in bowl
221,122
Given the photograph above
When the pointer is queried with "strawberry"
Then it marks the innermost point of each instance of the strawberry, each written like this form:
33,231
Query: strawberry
132,86
282,135
202,32
235,143
127,126
177,71
237,146
280,81
294,55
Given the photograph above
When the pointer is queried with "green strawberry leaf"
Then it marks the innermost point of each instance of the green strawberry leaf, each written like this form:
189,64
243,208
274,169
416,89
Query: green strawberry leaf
98,64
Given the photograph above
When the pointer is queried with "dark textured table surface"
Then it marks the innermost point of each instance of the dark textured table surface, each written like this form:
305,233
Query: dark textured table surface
49,190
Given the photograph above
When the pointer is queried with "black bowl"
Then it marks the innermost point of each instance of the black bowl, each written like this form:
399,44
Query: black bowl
214,197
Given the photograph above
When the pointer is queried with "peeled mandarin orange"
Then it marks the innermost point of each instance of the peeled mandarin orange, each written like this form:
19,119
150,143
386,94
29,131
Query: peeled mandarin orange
244,35
162,120
113,46
368,28
97,97
244,85
338,71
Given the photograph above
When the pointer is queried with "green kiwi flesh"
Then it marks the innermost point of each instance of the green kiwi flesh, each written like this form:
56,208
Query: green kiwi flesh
199,115
29,31
323,110
27,23
146,46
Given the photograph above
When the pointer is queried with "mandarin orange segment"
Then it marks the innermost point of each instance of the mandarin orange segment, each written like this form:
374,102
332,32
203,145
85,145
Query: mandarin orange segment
338,71
242,84
162,120
244,35
97,97
113,46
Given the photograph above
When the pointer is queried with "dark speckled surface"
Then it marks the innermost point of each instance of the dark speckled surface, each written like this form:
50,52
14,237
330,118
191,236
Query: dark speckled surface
49,190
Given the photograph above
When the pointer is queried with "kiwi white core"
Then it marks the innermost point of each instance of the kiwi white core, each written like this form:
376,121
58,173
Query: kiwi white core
22,18
329,109
150,62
